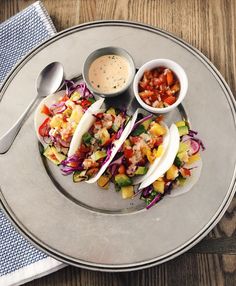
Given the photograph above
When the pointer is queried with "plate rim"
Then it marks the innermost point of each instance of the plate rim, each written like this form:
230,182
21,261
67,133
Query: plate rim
205,230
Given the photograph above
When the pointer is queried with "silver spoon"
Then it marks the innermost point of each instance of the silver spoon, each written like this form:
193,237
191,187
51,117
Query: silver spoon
49,80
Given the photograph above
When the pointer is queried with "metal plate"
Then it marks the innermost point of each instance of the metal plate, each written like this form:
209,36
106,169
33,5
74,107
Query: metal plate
106,233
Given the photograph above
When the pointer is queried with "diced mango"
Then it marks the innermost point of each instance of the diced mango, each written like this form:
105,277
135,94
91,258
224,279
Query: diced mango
172,173
127,192
103,182
192,159
157,129
56,121
150,156
158,152
180,123
76,114
159,186
75,96
183,156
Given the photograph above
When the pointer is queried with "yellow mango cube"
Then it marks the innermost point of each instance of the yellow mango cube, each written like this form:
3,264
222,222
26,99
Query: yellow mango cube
159,186
103,182
180,123
56,121
75,96
157,129
151,157
172,173
158,152
76,114
127,192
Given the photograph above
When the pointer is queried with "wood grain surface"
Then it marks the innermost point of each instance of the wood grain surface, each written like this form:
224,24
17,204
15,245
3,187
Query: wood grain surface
208,25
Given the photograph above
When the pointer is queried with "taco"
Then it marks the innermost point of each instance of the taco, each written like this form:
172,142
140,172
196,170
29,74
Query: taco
101,135
58,116
179,169
140,154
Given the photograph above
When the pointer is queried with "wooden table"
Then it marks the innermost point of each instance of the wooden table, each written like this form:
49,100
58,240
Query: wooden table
209,25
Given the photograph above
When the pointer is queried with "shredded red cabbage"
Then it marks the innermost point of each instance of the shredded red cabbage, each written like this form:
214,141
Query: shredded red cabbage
120,132
58,107
146,191
192,133
157,198
67,169
81,88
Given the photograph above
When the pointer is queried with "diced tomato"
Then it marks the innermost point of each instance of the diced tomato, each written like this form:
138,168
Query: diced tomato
150,88
143,85
185,172
82,149
175,88
162,78
45,110
85,103
159,118
128,153
44,128
121,169
146,94
159,84
169,77
170,100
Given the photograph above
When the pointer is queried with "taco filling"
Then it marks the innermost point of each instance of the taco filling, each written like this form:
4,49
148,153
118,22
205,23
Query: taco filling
181,169
61,120
97,145
141,148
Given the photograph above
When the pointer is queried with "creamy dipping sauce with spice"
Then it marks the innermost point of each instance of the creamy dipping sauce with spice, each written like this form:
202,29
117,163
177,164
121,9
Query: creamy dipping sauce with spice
109,73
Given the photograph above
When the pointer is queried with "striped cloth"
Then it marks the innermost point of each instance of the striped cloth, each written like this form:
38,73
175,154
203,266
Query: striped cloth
19,260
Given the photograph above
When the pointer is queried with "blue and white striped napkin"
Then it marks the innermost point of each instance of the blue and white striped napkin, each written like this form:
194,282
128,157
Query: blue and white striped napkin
21,262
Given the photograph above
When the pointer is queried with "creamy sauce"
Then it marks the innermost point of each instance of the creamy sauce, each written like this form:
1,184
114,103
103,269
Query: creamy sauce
109,73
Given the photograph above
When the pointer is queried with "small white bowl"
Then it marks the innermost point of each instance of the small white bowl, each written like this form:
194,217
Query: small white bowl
179,72
108,51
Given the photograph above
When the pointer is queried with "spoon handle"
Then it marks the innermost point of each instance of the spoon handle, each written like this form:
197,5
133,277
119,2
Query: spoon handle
8,138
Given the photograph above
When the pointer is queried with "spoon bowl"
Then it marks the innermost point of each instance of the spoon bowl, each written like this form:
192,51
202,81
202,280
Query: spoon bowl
50,79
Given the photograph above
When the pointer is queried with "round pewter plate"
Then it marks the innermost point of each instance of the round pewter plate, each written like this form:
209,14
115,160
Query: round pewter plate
85,226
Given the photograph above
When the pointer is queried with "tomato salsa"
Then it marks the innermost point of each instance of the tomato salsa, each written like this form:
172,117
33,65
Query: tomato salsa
159,87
